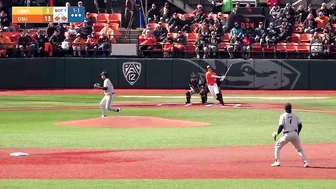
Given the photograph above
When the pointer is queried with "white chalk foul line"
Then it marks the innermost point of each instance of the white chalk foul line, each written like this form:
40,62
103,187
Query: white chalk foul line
239,97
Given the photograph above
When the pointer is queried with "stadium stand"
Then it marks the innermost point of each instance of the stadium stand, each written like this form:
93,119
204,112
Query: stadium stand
276,31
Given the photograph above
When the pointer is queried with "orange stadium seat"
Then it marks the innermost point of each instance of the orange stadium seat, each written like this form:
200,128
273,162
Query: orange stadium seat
189,15
153,25
223,46
115,18
281,47
226,37
98,26
192,37
256,47
103,17
295,37
303,48
172,35
291,47
305,38
190,48
269,49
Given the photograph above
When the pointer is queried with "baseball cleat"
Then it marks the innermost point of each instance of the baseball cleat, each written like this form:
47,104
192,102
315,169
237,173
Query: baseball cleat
103,116
275,164
119,111
306,164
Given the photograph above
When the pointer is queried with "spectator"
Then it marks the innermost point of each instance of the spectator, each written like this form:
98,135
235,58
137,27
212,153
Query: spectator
287,9
248,5
235,8
222,21
312,10
277,20
179,44
322,21
185,24
160,32
168,46
227,6
217,29
78,45
174,23
201,45
165,13
103,44
85,30
332,14
301,14
310,25
326,44
67,4
148,28
80,4
209,19
271,34
147,43
55,41
324,9
91,44
154,13
6,46
66,44
89,19
260,34
289,19
248,30
51,30
107,31
72,32
41,40
235,45
62,29
204,30
283,34
24,44
213,45
129,10
316,46
199,13
5,22
247,46
216,6
275,10
236,29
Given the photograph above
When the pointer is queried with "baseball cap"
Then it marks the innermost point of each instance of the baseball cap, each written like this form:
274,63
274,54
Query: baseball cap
288,107
104,73
208,66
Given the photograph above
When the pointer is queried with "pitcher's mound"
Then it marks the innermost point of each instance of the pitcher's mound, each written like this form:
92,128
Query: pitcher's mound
132,122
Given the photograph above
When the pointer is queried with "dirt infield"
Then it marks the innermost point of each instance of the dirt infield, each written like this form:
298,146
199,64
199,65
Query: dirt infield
187,163
132,122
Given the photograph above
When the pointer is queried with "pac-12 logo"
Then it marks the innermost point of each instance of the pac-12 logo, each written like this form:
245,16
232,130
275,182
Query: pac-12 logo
131,71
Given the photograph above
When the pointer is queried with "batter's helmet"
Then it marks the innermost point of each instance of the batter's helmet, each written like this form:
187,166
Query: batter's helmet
104,73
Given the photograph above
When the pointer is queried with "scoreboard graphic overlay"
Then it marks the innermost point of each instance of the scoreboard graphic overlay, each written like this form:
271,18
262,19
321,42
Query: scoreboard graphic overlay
48,14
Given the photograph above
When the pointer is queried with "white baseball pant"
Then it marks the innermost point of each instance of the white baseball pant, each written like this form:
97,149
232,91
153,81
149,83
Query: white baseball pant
294,138
214,90
105,104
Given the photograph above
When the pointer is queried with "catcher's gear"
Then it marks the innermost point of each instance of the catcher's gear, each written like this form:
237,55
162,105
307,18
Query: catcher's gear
274,135
188,97
96,85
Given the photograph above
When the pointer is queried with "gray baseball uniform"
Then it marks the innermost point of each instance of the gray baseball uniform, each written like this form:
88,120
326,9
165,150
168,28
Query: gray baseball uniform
290,123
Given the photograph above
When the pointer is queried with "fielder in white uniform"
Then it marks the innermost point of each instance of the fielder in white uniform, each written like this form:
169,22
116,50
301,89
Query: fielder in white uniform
291,125
109,95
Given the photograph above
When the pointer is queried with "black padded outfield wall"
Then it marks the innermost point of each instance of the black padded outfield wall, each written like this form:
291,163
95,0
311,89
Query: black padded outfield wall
165,73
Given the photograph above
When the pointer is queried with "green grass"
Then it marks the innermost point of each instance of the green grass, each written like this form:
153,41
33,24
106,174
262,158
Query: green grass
169,184
228,127
36,129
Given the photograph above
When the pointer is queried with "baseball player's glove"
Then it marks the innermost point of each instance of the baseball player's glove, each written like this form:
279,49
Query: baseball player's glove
96,85
274,135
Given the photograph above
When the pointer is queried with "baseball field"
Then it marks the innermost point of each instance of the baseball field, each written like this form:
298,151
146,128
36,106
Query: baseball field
158,142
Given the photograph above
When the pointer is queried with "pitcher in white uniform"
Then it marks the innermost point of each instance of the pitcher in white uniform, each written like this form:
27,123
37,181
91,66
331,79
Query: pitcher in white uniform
291,125
109,95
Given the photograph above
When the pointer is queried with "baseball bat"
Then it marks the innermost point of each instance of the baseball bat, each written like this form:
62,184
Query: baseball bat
227,71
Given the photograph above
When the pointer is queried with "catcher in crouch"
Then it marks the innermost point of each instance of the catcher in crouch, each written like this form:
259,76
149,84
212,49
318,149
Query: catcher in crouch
197,87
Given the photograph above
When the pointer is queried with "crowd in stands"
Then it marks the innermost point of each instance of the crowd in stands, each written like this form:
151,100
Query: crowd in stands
206,35
197,34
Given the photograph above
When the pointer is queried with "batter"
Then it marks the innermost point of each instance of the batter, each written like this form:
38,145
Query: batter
291,125
212,85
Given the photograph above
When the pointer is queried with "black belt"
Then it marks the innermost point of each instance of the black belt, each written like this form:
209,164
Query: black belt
289,131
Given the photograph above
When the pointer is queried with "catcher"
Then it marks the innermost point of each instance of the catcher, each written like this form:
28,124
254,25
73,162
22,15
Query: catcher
197,87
